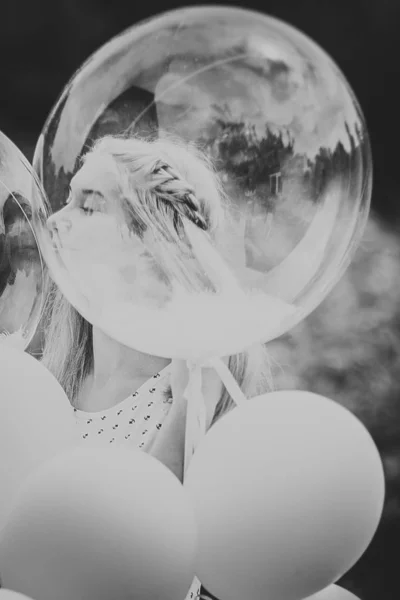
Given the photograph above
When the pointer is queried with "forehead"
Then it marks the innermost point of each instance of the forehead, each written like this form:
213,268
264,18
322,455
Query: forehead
97,173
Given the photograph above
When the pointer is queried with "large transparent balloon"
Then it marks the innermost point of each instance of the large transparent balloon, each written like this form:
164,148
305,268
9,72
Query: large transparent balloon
288,141
21,269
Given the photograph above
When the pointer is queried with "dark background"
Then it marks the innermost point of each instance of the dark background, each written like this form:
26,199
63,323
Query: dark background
42,43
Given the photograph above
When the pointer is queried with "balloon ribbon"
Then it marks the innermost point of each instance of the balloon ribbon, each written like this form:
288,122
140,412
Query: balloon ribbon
196,417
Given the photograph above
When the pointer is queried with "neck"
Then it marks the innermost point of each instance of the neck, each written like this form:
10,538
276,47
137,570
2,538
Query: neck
116,362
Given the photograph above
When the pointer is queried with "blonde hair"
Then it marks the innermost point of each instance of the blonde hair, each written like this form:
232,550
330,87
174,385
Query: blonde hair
163,183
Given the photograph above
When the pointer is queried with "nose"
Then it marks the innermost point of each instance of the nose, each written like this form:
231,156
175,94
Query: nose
51,225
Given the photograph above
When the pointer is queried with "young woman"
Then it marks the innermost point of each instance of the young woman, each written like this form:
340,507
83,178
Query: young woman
121,395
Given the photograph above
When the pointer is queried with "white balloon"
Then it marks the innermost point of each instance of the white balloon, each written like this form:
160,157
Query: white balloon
36,421
288,491
100,524
333,592
10,595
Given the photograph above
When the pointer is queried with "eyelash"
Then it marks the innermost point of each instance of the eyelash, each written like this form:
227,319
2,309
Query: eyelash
87,211
83,208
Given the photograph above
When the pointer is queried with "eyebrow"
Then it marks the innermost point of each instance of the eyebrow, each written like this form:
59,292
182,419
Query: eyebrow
89,191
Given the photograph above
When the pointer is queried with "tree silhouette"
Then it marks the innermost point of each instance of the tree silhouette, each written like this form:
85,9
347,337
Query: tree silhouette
245,157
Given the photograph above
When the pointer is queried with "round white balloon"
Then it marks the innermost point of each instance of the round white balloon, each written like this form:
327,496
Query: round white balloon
101,524
333,592
36,421
288,491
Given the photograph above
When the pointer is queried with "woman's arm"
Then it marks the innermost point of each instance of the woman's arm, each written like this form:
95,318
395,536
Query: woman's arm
169,445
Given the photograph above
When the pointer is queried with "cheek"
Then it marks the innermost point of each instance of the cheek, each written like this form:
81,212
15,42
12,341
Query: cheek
99,239
85,233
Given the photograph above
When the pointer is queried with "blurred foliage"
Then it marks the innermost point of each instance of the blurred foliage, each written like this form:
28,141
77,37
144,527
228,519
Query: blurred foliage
250,160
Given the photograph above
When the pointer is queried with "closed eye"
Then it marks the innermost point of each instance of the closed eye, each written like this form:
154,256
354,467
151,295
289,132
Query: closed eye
91,202
88,201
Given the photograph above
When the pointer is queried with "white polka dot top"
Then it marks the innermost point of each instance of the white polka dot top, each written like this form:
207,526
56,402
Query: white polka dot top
134,421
